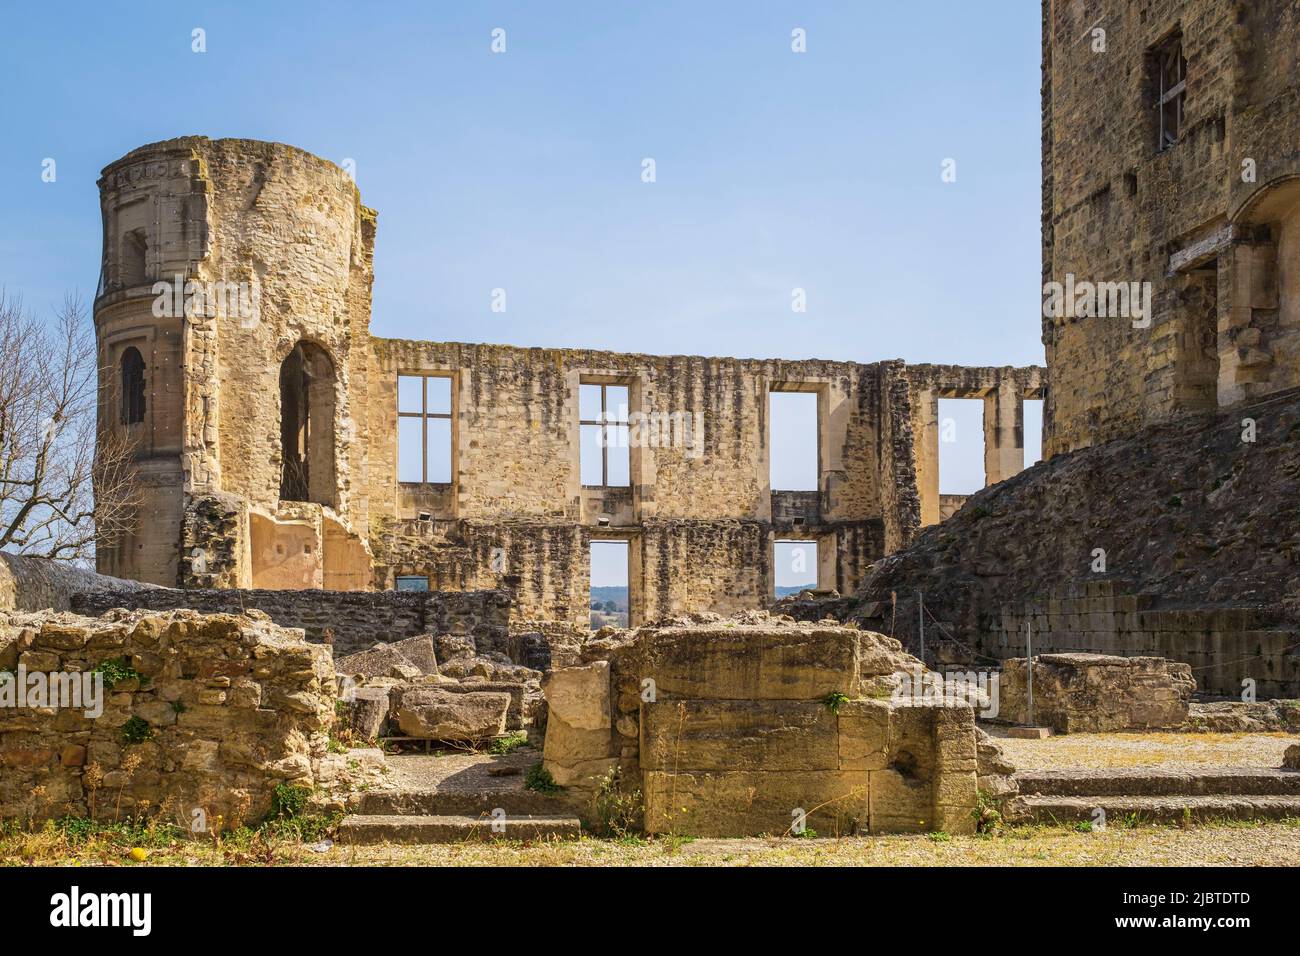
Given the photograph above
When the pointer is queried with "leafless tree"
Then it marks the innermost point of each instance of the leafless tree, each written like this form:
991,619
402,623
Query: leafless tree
65,479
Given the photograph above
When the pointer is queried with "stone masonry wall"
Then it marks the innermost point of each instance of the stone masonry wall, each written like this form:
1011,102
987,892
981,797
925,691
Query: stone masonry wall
215,712
351,620
733,728
1211,222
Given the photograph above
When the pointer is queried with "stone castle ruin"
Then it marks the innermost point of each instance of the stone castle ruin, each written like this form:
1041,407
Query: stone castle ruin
427,511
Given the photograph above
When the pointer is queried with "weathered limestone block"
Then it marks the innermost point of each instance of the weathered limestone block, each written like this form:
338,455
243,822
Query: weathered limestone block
1291,759
751,803
741,735
367,711
579,696
433,713
522,693
580,743
1096,693
391,660
754,662
864,734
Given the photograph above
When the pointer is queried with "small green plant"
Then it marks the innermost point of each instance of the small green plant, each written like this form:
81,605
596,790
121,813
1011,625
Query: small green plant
940,836
807,833
289,801
835,700
1176,501
136,731
539,779
988,819
116,670
178,706
616,812
509,743
1083,826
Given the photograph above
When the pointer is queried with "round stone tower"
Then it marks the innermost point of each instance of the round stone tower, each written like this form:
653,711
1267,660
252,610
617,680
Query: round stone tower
233,320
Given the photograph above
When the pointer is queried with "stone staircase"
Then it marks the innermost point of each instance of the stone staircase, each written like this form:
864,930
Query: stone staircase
458,798
1148,795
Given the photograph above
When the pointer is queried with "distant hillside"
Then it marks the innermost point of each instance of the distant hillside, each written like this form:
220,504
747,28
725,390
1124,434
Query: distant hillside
616,594
782,591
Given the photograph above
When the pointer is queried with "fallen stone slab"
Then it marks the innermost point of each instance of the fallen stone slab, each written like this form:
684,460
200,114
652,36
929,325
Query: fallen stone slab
367,711
405,659
433,713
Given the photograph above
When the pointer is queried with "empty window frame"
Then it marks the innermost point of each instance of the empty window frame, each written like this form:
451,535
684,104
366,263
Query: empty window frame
961,446
1033,422
604,458
132,386
793,429
794,566
610,595
412,582
424,429
1170,69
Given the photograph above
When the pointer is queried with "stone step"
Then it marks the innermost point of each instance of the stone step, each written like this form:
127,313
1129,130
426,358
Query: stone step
1152,781
515,801
1150,809
360,829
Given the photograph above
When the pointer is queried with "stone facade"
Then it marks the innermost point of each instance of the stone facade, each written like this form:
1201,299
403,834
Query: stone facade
752,725
208,713
1097,693
1211,219
268,444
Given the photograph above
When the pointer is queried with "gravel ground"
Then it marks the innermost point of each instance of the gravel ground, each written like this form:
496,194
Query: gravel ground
1145,750
1274,844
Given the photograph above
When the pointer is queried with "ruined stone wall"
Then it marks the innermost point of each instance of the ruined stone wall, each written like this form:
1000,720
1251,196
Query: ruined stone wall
1208,222
733,728
216,712
351,621
231,396
1179,542
33,584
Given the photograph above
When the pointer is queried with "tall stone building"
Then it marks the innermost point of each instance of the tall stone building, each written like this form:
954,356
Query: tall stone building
280,445
1171,159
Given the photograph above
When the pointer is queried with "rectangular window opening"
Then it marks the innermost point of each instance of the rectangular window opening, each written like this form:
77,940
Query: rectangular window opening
609,595
961,445
793,428
794,563
424,429
1033,419
604,455
1169,67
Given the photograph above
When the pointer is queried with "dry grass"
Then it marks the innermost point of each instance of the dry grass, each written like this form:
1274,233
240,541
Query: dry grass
1147,750
1275,844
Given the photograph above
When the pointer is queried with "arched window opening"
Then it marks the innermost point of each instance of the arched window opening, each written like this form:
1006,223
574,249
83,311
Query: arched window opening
307,425
132,386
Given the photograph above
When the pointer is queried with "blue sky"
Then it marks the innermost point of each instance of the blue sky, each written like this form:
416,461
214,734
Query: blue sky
522,170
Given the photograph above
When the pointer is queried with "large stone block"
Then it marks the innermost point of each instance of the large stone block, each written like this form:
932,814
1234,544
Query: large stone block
770,735
748,662
435,714
579,696
1096,693
864,734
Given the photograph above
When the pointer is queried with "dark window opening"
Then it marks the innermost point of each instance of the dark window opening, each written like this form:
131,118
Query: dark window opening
604,458
1170,69
307,425
424,440
132,386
